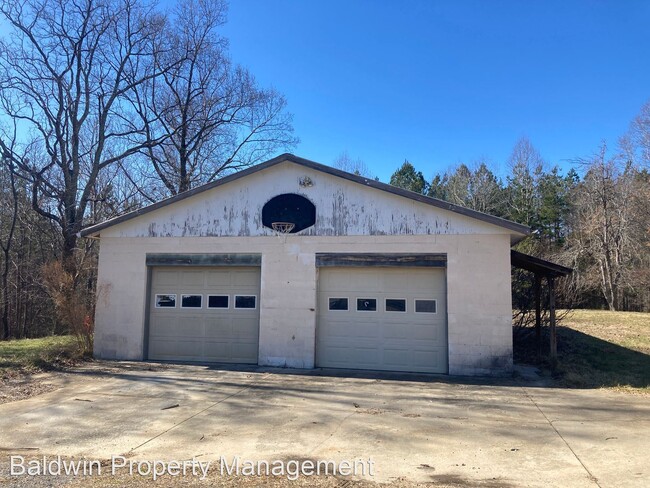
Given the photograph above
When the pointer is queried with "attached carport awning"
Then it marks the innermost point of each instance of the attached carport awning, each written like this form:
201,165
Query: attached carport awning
542,269
538,266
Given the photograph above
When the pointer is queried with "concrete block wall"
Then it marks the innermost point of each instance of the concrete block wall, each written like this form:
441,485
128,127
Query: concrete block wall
288,307
480,307
478,292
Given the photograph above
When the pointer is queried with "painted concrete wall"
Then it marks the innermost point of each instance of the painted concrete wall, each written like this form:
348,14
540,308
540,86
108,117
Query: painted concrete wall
478,286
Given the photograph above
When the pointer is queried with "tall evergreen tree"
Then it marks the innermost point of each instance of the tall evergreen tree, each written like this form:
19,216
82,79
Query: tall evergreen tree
408,178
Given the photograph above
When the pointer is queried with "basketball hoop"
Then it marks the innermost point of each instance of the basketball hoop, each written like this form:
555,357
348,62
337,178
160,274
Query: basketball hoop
283,227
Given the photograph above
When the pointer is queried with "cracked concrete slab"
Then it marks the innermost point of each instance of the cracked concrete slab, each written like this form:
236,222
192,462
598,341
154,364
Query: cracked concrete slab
414,427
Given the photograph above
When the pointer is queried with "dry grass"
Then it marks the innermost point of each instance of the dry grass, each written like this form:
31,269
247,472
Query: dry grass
31,355
20,359
598,349
627,329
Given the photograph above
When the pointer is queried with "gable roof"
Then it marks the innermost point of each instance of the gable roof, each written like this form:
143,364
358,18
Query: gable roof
435,202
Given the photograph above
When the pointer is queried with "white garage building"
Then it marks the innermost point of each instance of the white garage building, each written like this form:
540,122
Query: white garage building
293,263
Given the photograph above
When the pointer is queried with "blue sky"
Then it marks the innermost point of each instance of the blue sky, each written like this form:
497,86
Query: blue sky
440,83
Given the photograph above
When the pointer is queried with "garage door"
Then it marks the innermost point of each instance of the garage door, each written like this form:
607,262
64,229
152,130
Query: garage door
382,318
204,314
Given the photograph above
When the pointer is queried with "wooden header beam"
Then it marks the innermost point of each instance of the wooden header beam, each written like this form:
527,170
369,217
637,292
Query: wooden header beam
381,259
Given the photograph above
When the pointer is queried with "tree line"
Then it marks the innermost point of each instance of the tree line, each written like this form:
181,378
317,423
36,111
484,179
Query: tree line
594,217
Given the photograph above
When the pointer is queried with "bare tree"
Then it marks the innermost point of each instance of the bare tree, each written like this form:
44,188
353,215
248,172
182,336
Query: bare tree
27,240
66,68
355,166
608,229
212,115
9,213
637,140
526,167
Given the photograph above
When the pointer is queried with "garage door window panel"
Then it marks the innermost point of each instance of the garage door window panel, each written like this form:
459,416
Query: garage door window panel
191,301
425,306
166,300
248,302
366,304
396,305
218,301
337,304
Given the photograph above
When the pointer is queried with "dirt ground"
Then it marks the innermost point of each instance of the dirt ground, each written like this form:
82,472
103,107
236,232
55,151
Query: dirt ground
215,480
21,385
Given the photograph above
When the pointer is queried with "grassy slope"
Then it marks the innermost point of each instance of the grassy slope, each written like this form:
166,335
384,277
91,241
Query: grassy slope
598,348
627,329
605,349
29,355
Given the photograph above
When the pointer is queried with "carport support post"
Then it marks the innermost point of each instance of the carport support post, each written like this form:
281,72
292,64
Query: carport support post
538,314
551,311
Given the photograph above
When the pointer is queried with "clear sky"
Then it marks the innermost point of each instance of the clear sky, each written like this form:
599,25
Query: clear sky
442,82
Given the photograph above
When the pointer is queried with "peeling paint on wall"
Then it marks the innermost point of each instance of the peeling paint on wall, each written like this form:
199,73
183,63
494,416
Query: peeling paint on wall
342,208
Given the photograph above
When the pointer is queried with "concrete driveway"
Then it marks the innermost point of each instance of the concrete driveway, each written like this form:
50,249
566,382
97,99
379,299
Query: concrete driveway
454,431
